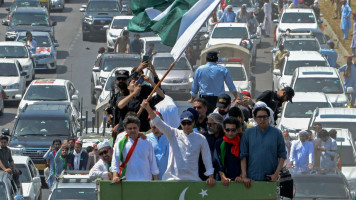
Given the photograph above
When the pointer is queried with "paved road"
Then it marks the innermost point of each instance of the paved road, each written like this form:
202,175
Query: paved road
76,58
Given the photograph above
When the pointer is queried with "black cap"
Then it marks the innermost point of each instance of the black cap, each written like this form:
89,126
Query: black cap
223,101
289,93
122,74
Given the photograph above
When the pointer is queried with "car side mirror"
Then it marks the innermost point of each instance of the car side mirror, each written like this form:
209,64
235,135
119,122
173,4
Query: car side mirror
277,72
7,9
5,22
18,197
54,23
349,90
75,97
98,89
106,27
36,180
5,131
23,73
18,96
96,69
82,9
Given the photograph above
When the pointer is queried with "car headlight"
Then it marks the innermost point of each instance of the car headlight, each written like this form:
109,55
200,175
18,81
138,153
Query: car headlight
88,20
13,86
102,81
11,34
112,35
26,67
190,79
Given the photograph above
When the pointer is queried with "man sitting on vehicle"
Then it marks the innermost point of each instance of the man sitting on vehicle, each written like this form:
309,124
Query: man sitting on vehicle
6,162
49,156
102,169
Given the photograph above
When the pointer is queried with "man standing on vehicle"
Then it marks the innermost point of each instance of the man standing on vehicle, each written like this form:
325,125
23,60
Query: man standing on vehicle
330,53
209,81
80,156
49,156
30,43
6,162
136,45
301,154
63,160
102,169
262,150
279,58
123,42
242,15
328,149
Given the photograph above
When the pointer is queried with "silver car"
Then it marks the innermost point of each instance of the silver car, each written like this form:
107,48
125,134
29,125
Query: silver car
46,52
57,5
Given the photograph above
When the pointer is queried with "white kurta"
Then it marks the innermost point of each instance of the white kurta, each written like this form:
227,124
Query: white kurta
169,111
267,22
142,164
184,151
100,169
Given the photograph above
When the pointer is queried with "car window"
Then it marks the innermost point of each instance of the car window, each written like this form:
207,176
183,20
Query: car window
325,85
346,125
103,6
238,3
321,37
42,41
26,176
303,109
46,92
298,18
33,19
20,67
109,83
230,32
112,63
305,45
42,126
163,63
25,4
31,170
13,52
291,65
237,73
8,69
158,46
74,193
120,23
34,169
71,89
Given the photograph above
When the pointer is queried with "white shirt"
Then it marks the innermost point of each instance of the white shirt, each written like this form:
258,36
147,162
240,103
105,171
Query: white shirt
142,164
100,169
328,158
301,153
169,111
184,151
77,159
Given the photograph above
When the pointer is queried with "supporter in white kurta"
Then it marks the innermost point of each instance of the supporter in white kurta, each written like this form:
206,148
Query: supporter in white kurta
142,165
185,147
102,168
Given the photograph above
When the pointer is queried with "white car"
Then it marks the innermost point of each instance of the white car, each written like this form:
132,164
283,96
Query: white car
295,116
50,90
11,50
296,18
158,46
321,79
30,178
12,79
114,29
293,61
232,33
2,97
106,90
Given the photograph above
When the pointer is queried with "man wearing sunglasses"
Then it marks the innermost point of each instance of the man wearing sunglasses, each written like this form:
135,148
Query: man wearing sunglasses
103,167
262,150
185,148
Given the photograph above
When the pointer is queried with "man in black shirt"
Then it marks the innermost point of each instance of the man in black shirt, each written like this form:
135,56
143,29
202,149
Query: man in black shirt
274,100
136,44
201,106
6,162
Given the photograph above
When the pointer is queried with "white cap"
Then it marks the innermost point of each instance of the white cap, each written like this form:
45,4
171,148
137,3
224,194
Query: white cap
103,144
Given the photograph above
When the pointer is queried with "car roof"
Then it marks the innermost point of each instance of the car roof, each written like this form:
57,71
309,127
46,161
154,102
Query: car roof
317,72
76,181
309,97
20,159
315,174
49,82
163,54
45,109
121,55
298,10
335,115
123,17
31,9
231,25
151,39
34,33
11,43
7,60
305,55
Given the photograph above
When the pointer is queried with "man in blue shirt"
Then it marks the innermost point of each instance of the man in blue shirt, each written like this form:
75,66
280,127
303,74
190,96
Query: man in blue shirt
49,156
209,81
301,154
330,53
262,150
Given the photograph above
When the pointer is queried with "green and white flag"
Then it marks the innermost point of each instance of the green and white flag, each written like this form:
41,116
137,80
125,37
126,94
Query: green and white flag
138,6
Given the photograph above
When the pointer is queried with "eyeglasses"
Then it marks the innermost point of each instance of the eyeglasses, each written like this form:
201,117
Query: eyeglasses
210,124
230,130
103,152
262,117
121,79
186,123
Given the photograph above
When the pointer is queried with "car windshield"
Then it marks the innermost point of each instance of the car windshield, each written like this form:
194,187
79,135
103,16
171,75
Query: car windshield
163,63
13,52
8,69
346,125
321,37
25,176
120,23
329,187
74,193
112,63
103,6
31,19
142,34
305,45
303,109
298,18
292,65
42,126
237,73
325,85
18,4
109,82
238,3
348,157
42,41
3,195
158,46
46,93
230,32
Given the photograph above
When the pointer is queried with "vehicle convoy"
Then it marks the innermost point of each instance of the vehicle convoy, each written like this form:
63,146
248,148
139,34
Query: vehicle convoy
38,124
8,189
29,19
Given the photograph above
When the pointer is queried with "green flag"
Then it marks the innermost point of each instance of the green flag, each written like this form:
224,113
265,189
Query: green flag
138,6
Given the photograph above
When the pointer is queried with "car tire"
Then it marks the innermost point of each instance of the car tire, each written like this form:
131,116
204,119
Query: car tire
85,37
92,92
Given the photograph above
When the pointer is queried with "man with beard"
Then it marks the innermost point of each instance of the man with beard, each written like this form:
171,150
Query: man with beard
49,156
63,160
80,156
223,105
201,106
101,169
